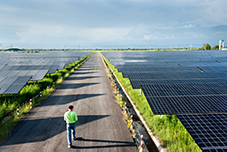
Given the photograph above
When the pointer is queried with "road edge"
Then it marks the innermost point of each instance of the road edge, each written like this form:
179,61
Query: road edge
155,139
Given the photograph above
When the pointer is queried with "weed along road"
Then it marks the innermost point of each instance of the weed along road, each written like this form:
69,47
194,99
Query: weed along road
100,125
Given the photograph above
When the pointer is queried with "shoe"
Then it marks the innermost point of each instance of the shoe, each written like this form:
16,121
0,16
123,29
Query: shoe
69,146
74,138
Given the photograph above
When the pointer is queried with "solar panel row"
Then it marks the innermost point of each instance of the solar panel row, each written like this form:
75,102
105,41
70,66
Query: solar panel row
188,104
184,89
174,75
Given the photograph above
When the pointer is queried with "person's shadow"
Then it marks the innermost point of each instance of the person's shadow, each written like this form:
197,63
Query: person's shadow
109,143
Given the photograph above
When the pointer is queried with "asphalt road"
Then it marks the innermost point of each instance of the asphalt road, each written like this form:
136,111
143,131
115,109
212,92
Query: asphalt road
100,126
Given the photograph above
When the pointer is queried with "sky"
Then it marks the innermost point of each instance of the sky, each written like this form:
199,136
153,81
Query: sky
109,24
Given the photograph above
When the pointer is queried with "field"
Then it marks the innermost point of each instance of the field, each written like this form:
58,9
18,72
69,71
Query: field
159,76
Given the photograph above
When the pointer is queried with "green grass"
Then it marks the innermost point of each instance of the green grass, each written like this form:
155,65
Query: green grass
9,104
167,127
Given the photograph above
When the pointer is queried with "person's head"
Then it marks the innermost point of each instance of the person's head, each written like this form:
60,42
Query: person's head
71,107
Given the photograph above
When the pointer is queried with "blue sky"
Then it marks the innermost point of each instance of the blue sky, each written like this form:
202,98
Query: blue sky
112,23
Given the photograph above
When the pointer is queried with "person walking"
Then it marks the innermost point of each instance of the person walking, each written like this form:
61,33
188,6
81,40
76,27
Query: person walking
70,117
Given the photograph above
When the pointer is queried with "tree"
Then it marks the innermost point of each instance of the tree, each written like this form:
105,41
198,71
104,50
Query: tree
13,49
216,47
206,46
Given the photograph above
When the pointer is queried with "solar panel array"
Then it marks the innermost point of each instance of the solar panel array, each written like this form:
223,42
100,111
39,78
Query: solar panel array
16,69
208,130
191,84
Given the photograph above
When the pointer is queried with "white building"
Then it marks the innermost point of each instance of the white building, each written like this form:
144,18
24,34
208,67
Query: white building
221,45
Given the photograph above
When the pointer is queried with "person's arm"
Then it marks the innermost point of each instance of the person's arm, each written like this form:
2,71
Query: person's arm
65,117
76,117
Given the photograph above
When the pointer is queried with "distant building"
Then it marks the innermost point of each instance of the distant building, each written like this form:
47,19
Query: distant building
221,45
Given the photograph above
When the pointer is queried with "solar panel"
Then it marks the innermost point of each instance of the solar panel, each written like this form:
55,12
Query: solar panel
9,80
14,89
3,88
12,85
37,67
208,130
14,68
1,79
39,75
13,72
1,66
23,67
23,72
30,67
51,71
22,79
61,66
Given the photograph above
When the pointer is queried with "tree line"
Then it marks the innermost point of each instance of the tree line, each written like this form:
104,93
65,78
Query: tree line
205,46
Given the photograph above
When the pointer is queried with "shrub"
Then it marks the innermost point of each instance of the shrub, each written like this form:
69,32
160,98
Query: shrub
27,93
63,72
56,76
206,46
45,82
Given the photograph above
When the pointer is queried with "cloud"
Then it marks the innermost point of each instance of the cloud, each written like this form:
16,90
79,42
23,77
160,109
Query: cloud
189,26
160,37
39,33
112,22
99,35
43,34
151,37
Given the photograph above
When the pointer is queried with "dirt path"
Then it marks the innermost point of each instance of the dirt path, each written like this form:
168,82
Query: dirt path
100,127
